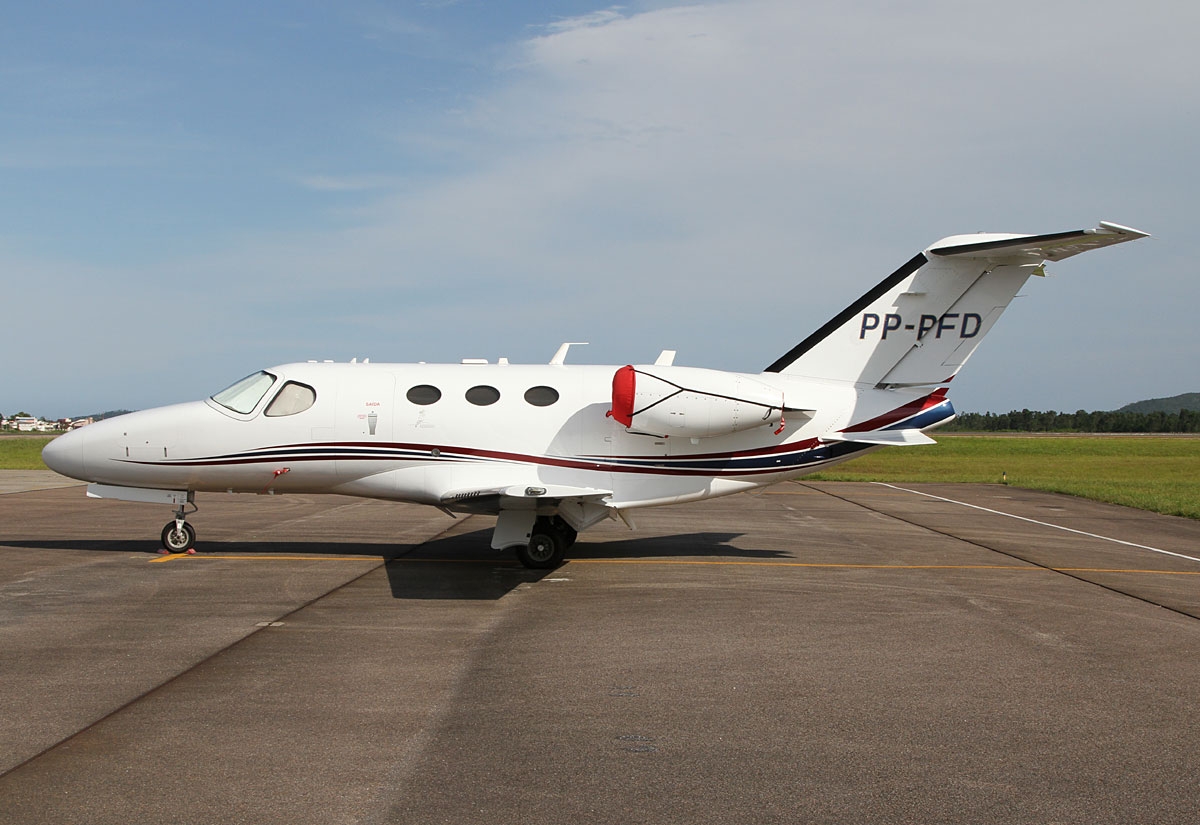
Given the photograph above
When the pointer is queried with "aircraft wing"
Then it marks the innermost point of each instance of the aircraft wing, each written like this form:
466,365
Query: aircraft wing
491,499
1052,247
555,491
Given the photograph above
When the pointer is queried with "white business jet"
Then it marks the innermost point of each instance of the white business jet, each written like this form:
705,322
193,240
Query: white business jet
554,449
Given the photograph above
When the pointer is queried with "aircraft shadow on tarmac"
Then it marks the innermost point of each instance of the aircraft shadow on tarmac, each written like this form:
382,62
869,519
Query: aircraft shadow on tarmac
95,545
453,567
483,573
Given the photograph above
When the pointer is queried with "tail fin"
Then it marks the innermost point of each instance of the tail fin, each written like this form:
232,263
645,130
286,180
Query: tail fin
921,323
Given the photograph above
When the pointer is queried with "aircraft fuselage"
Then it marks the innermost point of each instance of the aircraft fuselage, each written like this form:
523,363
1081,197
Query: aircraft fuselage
491,426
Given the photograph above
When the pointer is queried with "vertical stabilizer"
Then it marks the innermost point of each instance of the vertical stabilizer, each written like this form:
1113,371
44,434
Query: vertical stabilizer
919,325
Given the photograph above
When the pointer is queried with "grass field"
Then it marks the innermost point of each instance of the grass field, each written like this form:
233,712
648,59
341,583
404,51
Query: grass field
1158,474
22,452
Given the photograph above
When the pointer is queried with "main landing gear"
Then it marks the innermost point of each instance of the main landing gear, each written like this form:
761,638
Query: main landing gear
178,536
548,543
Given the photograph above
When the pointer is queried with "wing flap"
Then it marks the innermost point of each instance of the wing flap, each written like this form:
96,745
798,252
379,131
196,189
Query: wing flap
554,491
520,496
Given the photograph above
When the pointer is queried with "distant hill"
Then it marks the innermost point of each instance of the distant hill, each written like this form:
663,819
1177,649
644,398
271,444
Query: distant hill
1187,401
104,415
1180,414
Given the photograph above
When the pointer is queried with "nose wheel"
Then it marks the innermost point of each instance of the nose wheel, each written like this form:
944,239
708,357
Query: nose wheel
177,535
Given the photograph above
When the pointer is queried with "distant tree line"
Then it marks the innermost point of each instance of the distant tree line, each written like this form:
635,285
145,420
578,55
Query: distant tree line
1080,421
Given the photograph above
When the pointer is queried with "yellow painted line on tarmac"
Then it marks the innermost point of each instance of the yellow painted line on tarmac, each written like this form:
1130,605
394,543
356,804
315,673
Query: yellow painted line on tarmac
264,557
727,563
273,557
1029,568
693,562
847,566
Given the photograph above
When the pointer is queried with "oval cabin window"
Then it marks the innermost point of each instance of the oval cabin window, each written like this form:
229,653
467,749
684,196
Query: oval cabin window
541,396
483,395
424,395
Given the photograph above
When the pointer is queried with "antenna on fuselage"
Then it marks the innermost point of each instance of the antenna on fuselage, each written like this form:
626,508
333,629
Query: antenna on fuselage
560,357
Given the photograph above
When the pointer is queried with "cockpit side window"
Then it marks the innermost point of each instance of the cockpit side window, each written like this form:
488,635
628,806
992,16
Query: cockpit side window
244,396
293,398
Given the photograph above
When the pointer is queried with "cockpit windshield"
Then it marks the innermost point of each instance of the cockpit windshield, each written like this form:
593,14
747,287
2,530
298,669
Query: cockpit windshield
244,396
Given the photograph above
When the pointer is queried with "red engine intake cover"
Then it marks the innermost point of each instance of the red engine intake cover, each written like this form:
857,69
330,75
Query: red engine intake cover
624,381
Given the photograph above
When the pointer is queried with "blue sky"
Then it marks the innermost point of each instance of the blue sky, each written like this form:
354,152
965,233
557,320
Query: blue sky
189,192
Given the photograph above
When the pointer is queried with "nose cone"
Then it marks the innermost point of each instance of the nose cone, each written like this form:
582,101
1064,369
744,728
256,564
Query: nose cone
64,455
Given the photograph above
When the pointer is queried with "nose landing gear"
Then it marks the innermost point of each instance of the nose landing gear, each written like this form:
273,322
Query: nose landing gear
178,536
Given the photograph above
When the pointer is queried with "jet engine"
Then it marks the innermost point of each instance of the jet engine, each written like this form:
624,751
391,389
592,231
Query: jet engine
692,402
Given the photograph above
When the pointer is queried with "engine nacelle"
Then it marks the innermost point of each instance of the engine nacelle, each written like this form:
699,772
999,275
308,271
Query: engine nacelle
692,402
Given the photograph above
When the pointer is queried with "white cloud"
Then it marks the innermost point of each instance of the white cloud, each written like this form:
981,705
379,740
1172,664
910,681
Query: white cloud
777,156
722,177
596,18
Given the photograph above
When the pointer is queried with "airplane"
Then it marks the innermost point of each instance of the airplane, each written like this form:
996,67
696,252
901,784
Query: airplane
554,449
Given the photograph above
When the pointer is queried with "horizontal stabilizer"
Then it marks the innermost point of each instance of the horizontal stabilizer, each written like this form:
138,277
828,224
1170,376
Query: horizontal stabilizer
890,438
1052,247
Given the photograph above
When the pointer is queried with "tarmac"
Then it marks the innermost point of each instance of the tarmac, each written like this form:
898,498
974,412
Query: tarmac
817,652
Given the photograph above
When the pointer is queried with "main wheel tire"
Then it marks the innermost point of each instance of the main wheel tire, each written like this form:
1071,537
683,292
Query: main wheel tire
544,551
177,540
